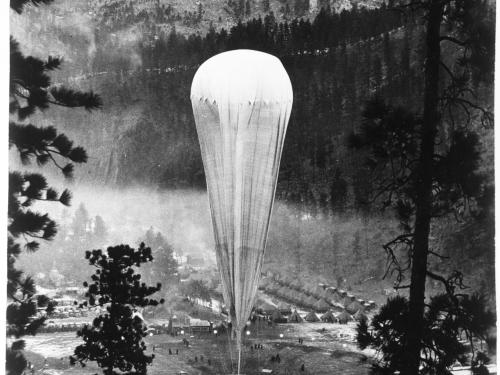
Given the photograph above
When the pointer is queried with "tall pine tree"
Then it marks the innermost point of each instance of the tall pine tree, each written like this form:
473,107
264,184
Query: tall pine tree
31,90
427,162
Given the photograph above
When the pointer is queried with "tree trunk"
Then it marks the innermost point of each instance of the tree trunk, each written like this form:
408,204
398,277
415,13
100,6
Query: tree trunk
423,201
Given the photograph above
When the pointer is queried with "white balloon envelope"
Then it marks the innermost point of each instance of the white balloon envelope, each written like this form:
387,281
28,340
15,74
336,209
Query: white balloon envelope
241,102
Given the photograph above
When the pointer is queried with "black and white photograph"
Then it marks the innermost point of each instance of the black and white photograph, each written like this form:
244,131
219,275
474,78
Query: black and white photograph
246,187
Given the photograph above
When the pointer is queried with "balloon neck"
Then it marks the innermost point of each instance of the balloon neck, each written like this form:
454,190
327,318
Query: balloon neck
238,337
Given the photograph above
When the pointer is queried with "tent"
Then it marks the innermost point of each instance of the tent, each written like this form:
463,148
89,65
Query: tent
295,317
284,308
344,317
328,317
360,315
321,305
354,307
277,317
311,317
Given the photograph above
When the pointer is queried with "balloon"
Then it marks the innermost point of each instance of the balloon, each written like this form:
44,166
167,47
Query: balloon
241,102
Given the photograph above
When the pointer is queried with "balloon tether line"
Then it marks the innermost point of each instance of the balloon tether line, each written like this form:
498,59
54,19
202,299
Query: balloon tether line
239,360
238,343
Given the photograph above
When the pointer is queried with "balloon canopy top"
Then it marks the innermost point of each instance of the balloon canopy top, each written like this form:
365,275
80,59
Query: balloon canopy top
242,76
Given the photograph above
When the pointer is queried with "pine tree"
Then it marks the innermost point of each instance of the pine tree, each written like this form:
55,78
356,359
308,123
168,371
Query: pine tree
165,266
81,225
444,323
115,339
200,12
430,181
100,231
266,6
31,90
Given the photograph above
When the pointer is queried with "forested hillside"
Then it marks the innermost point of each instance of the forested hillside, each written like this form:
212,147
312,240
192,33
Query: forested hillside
145,134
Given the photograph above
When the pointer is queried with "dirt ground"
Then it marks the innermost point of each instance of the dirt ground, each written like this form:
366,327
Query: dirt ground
327,349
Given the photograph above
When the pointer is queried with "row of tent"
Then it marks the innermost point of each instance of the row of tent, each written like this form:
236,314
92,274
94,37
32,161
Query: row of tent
62,327
329,317
320,298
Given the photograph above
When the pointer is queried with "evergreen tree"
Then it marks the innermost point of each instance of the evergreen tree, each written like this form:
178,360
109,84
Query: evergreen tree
248,8
338,192
165,266
100,231
115,339
81,225
420,179
445,322
31,90
196,289
200,12
266,6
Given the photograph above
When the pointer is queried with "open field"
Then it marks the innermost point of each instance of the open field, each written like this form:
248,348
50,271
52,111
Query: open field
327,349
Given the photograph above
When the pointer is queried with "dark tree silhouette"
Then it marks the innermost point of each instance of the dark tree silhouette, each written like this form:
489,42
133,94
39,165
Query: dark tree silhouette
164,268
196,289
445,324
426,164
18,5
31,90
115,339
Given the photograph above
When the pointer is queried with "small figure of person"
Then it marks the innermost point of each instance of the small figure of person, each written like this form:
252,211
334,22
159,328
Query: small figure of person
196,358
303,368
278,359
201,358
169,351
177,351
209,362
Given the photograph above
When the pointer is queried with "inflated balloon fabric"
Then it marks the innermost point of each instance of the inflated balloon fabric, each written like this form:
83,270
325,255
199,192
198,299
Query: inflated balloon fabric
241,102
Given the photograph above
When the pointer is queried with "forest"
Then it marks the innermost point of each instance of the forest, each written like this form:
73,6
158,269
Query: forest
337,63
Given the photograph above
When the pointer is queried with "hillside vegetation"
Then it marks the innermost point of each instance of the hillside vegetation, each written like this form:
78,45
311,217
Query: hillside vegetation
337,58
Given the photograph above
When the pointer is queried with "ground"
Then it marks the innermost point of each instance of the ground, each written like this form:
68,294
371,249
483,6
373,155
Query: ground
327,349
